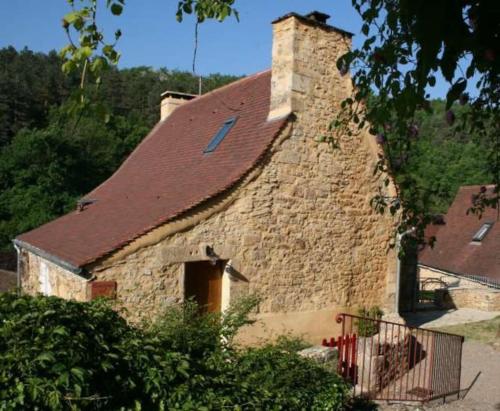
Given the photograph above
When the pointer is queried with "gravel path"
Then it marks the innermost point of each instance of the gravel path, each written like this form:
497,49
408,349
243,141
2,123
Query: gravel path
484,395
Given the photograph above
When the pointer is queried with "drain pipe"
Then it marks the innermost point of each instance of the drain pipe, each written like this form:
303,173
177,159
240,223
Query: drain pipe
399,237
18,271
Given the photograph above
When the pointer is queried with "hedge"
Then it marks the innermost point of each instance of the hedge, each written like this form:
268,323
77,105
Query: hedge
65,355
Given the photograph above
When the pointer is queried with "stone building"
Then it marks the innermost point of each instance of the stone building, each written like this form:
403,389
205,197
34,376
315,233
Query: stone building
232,193
464,264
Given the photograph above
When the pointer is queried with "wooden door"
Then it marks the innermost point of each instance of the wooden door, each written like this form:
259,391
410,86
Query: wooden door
203,283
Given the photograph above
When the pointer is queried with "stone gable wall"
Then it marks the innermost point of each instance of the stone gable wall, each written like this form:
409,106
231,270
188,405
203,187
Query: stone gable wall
56,280
302,234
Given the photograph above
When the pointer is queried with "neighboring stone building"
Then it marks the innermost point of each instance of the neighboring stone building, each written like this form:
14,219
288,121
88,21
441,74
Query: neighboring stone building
232,193
466,255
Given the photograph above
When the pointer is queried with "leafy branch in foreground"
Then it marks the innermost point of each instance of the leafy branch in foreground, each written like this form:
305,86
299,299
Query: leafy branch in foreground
407,47
89,53
206,9
81,55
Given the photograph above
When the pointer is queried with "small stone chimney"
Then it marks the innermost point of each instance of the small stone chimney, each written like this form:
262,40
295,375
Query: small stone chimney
170,100
305,52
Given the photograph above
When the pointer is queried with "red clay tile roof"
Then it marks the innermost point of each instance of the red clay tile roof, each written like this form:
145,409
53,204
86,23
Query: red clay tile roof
454,250
168,173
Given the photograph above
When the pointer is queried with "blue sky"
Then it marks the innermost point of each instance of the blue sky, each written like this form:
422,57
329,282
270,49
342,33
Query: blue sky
152,37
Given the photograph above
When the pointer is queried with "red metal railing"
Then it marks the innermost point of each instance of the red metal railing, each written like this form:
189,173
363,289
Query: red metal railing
393,362
347,349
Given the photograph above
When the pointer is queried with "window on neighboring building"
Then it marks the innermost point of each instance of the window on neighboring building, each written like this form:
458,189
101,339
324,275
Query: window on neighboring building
482,232
226,127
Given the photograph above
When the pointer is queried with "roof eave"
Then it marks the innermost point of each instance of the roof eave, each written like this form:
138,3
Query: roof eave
447,271
50,257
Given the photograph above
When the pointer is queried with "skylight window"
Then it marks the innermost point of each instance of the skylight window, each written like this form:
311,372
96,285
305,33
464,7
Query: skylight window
226,127
479,236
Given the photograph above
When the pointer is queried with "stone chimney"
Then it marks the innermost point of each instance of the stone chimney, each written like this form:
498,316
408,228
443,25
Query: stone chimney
305,50
170,100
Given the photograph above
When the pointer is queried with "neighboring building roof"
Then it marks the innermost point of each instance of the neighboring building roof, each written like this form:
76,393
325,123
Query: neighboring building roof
455,251
167,174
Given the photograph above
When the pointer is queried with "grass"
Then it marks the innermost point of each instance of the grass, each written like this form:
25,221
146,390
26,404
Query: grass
486,332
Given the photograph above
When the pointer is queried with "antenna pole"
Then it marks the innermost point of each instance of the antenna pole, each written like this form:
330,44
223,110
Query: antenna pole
194,56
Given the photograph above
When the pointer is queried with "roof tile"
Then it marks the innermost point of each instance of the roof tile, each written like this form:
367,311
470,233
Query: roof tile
168,173
454,250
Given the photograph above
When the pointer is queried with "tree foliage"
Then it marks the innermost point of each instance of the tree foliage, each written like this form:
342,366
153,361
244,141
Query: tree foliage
30,84
65,355
207,9
89,54
409,44
440,161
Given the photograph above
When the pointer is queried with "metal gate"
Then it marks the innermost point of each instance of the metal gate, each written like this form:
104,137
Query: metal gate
394,362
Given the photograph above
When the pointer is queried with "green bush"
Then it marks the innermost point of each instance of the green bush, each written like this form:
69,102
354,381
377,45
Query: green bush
65,355
57,354
291,343
369,327
276,379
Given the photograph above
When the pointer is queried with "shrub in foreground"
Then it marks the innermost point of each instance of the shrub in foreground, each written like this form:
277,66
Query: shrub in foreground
65,355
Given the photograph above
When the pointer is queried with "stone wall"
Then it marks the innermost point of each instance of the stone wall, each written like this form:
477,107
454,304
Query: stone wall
462,293
478,298
300,233
451,280
39,275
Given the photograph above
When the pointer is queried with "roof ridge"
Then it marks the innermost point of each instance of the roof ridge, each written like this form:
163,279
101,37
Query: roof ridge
220,89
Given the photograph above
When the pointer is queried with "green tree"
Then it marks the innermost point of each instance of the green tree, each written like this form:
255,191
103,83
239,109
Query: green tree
30,84
43,172
439,161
